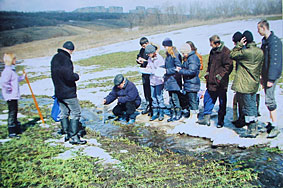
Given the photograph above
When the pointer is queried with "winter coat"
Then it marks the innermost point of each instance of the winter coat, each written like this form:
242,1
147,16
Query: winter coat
219,65
144,56
249,61
190,71
63,76
10,83
272,66
128,93
154,64
172,79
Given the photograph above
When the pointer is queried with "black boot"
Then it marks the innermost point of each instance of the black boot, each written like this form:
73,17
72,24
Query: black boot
65,125
178,114
172,114
73,132
82,131
205,120
220,123
13,132
187,113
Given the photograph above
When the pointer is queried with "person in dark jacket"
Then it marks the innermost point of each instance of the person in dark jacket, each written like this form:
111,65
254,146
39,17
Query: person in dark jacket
220,65
271,71
172,79
190,71
128,98
64,81
142,61
247,78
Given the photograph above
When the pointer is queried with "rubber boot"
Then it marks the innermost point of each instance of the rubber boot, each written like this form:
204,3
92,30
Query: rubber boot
73,132
178,114
82,131
220,123
161,114
155,114
146,108
205,120
12,132
172,113
252,131
187,113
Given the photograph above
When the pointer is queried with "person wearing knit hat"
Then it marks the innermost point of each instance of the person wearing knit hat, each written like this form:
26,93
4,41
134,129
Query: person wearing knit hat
172,79
154,66
128,99
190,71
64,80
167,42
237,37
142,60
249,36
247,80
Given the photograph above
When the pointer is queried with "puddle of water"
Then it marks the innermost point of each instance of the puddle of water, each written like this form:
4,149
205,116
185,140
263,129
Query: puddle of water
268,165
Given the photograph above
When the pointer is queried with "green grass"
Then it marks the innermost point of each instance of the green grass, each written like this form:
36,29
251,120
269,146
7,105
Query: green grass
30,162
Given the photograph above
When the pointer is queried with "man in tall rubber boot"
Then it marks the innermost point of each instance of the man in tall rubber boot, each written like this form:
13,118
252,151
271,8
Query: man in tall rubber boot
64,81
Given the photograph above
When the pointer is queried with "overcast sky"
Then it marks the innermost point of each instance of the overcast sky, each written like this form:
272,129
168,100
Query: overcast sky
70,5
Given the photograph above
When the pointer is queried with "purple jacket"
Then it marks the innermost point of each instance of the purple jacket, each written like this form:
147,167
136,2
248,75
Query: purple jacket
10,83
153,65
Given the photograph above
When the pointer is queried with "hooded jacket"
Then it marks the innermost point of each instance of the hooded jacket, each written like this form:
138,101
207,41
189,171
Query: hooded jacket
221,64
63,76
249,61
129,93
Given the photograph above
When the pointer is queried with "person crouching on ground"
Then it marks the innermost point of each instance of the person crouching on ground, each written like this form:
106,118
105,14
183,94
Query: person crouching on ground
155,61
190,71
247,79
172,79
128,99
11,93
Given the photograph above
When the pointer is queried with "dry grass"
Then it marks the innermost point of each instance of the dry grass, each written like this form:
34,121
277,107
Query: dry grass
95,38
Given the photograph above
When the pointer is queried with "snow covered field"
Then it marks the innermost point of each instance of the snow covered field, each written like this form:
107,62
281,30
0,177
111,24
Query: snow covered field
199,35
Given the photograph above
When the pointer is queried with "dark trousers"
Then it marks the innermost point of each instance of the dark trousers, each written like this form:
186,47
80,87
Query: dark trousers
13,111
249,106
127,109
210,98
193,100
146,88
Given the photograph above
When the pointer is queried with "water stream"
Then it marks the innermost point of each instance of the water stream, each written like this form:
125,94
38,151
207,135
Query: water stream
269,165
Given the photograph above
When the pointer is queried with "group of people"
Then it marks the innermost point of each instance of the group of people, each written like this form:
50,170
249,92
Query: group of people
178,74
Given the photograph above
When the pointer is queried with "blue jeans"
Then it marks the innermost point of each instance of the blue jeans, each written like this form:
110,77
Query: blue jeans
210,98
70,107
157,96
249,107
174,99
193,100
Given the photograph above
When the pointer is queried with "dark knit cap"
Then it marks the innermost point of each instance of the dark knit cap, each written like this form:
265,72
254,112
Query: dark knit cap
167,42
119,78
237,36
149,49
69,45
249,36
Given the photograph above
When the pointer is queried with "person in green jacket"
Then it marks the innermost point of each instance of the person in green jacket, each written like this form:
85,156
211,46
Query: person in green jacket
247,79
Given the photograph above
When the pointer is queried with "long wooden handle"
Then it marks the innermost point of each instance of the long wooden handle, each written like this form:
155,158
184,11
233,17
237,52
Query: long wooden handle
34,99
